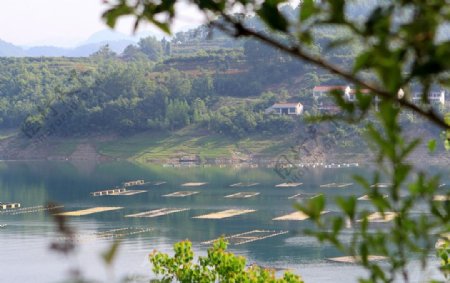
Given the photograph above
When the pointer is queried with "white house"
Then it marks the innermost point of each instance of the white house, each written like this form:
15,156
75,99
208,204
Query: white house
324,102
285,109
322,91
435,97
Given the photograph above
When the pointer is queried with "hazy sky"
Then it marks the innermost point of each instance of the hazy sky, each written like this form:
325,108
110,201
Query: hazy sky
65,22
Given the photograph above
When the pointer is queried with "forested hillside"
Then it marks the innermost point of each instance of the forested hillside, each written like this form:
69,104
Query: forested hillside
220,84
201,79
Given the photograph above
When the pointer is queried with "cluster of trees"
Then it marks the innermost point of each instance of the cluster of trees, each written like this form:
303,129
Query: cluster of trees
109,95
141,90
403,44
147,87
245,119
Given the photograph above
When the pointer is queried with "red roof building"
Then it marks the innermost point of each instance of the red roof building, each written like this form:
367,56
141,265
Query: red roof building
285,109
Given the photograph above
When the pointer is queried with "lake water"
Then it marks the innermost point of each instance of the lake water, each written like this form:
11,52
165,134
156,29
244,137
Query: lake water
25,241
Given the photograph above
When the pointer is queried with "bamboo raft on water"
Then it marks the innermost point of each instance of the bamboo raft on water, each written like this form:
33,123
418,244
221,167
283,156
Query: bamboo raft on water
180,194
240,184
242,195
134,183
31,209
355,259
225,214
88,211
109,234
130,193
250,236
193,184
378,217
288,185
367,197
303,196
117,192
9,205
108,192
336,185
157,212
296,216
381,185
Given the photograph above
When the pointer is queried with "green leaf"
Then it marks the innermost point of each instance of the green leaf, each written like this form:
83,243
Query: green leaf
163,26
109,255
111,15
270,14
447,118
348,206
340,42
337,14
306,37
362,181
432,145
307,9
313,208
363,61
410,147
364,101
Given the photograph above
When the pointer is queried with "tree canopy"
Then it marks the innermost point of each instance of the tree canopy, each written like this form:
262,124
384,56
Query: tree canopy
402,45
402,40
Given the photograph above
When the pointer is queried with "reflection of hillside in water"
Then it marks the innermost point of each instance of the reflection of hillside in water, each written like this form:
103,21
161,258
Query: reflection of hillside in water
85,167
70,184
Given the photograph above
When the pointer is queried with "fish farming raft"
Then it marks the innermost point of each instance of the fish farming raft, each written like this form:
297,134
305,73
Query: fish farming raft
250,236
9,205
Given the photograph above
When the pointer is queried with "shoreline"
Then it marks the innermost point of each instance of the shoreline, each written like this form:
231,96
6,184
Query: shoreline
274,162
92,150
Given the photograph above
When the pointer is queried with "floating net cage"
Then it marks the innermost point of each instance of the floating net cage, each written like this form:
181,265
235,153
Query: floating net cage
250,236
225,214
242,195
244,184
336,185
30,210
88,211
288,185
193,184
157,212
181,194
303,196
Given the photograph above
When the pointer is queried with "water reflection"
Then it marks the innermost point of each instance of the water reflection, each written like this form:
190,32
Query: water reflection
28,235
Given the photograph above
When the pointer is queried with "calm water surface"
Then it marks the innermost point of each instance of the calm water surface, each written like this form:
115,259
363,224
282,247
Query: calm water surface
25,241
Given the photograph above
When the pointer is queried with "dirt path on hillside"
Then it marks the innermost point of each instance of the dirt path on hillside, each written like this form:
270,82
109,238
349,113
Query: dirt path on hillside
85,151
15,148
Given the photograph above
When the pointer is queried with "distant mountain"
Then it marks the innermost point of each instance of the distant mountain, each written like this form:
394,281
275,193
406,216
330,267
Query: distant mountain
44,51
108,35
116,41
10,50
87,49
80,51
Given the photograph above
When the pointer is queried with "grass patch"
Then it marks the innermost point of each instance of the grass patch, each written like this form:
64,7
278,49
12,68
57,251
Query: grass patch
5,134
188,141
164,145
126,147
65,148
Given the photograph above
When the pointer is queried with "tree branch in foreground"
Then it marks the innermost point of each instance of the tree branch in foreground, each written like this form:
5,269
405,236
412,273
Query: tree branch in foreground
242,31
